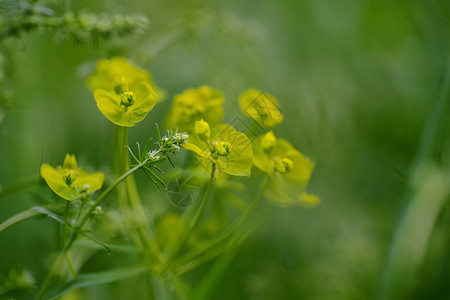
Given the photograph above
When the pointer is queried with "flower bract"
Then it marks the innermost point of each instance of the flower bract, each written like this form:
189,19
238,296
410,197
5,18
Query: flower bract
289,169
229,149
69,181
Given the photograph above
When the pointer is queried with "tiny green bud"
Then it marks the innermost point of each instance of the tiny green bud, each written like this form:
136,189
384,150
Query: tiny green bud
120,85
268,142
128,99
223,148
202,130
69,177
283,165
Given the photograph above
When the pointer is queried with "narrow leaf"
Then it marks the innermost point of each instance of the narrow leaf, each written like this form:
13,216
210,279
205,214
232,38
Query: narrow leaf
91,279
22,216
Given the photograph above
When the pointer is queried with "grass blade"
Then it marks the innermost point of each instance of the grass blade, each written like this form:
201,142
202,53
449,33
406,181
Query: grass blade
22,216
91,279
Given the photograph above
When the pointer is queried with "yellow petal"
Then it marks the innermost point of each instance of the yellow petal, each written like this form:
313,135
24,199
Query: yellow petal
197,150
55,181
145,101
202,130
268,142
261,159
109,105
108,71
70,162
89,182
239,162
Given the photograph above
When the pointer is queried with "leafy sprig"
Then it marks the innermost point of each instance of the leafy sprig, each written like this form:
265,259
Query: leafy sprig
150,158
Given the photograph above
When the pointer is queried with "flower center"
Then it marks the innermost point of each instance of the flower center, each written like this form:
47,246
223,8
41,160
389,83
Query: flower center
283,165
127,99
220,149
69,177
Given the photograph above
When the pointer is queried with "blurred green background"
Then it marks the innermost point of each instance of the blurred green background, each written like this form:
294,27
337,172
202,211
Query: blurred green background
357,81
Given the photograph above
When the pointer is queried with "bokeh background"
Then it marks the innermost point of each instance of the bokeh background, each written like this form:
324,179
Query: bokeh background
359,83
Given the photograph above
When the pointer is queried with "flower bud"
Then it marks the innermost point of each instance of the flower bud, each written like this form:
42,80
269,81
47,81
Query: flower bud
69,177
202,130
283,165
128,99
120,85
223,148
268,142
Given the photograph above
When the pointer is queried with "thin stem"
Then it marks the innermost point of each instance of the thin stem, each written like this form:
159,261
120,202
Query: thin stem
70,264
66,212
129,200
235,241
226,233
199,214
184,236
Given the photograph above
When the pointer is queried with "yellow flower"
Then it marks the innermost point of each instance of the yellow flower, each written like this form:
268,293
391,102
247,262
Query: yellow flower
289,168
69,181
229,149
193,105
123,92
261,107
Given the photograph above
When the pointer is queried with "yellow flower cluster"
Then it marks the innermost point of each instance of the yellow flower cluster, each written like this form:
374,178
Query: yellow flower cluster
125,94
195,110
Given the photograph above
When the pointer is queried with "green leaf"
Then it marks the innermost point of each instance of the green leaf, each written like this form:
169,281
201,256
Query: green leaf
91,279
50,214
31,213
22,216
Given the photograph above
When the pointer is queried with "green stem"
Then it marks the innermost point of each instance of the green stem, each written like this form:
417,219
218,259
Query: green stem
70,264
235,241
226,233
184,236
64,231
129,200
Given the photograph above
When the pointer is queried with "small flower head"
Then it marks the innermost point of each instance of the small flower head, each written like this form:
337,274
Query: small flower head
289,168
69,181
261,107
123,92
229,149
194,105
173,141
